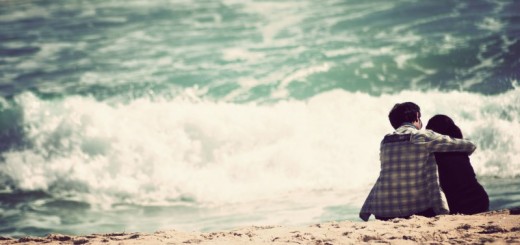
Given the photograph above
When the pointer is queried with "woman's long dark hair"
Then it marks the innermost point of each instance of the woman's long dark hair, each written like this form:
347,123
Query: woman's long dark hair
443,124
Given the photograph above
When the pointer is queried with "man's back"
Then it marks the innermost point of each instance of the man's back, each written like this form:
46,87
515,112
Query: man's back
408,182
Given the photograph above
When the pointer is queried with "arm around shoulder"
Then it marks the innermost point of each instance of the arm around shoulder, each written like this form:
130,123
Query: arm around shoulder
442,143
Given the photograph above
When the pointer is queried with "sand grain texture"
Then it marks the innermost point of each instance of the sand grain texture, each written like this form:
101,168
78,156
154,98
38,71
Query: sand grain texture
497,227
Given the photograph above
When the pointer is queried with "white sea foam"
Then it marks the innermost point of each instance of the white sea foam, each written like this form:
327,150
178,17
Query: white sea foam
48,52
450,43
240,54
401,59
299,74
490,24
28,13
342,52
215,152
280,16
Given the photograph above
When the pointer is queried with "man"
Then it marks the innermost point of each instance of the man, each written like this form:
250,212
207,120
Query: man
408,183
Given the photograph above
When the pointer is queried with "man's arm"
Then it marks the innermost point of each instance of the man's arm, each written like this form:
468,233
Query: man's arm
441,143
364,213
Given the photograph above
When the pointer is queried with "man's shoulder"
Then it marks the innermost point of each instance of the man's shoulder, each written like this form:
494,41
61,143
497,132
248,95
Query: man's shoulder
408,134
395,138
401,134
426,134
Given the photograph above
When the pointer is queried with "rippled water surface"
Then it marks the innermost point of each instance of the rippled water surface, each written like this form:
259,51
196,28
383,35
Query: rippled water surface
206,115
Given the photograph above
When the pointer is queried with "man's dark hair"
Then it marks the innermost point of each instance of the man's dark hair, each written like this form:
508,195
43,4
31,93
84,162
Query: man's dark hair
403,113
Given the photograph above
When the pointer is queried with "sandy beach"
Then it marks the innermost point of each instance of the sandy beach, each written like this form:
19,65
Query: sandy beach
496,227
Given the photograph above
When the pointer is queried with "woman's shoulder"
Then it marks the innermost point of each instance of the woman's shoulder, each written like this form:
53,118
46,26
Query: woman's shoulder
452,158
455,164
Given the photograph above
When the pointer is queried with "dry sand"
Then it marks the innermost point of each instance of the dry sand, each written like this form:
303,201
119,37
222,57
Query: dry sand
496,227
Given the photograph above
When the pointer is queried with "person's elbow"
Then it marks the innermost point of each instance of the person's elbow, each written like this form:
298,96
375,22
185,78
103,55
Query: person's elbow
364,216
472,148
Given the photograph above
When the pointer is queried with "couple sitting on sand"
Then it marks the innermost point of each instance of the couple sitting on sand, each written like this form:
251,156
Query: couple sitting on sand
408,183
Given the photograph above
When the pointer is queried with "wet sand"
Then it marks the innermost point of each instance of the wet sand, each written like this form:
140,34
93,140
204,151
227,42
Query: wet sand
497,227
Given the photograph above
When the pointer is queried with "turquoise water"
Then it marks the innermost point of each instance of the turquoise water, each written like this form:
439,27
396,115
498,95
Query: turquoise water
206,115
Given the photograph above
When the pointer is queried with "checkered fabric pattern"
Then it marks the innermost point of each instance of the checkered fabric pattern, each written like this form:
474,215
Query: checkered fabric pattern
408,181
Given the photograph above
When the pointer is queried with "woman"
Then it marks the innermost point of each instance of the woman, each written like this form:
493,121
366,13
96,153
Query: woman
457,178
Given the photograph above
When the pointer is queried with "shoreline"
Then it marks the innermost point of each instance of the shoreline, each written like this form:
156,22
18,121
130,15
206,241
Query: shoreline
501,226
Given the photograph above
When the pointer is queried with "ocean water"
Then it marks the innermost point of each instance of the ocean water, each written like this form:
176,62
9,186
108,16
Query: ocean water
214,114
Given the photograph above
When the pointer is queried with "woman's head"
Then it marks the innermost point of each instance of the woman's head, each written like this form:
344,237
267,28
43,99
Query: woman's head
443,124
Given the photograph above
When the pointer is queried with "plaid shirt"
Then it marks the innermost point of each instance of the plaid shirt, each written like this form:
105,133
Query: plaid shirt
408,181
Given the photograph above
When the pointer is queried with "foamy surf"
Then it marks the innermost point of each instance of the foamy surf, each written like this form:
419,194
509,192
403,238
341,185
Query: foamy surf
153,151
217,114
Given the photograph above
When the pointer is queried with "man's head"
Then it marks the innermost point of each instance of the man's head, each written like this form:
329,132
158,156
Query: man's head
407,112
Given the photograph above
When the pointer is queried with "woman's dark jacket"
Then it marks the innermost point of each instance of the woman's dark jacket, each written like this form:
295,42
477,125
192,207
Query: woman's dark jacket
457,179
